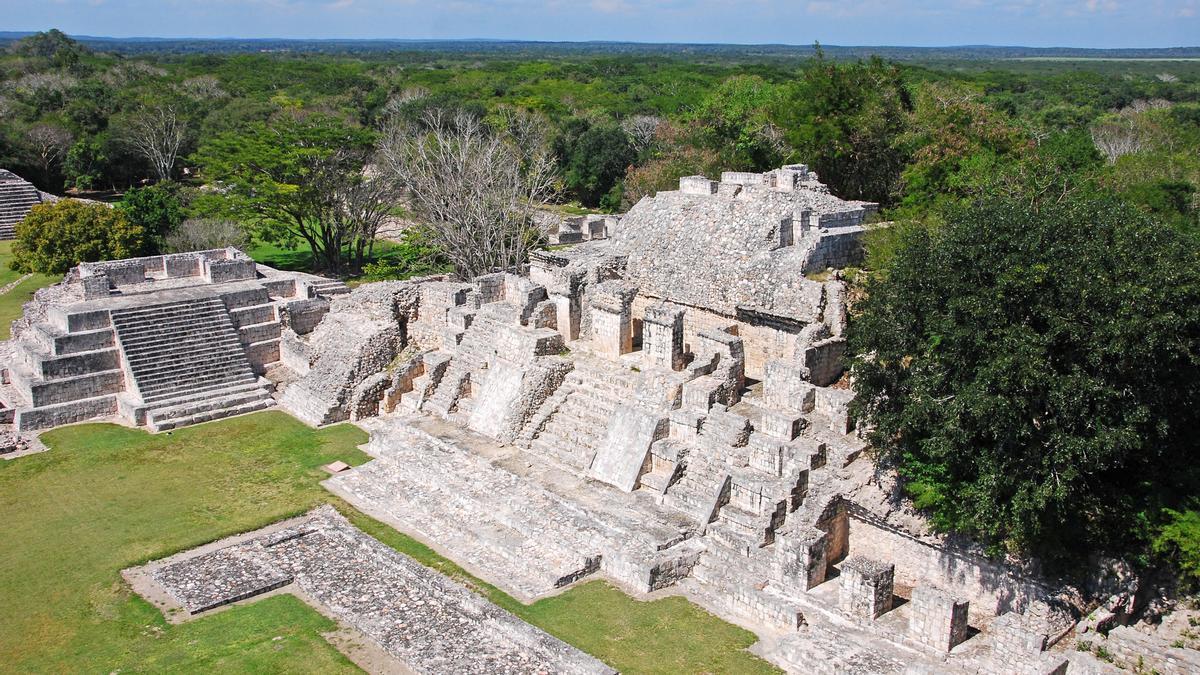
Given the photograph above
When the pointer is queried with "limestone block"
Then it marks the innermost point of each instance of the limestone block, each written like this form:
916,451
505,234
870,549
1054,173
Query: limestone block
612,318
701,394
303,316
95,287
1015,639
726,429
697,185
500,388
220,271
685,424
785,387
866,587
782,425
731,362
624,454
544,315
800,558
836,404
461,317
662,338
936,618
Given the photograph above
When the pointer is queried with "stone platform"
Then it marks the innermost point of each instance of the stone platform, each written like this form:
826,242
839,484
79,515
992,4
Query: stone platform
517,521
427,622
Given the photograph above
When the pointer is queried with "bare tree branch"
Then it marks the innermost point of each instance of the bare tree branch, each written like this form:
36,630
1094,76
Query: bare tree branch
475,185
157,134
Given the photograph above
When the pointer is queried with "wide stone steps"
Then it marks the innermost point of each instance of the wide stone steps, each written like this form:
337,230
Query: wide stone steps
171,398
580,412
188,363
214,405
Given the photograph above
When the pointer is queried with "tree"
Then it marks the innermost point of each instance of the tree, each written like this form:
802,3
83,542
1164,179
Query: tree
202,234
288,177
671,155
1034,375
593,159
56,236
156,209
47,147
845,121
475,185
641,129
157,134
735,120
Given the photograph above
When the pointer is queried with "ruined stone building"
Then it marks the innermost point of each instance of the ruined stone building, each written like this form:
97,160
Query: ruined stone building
663,404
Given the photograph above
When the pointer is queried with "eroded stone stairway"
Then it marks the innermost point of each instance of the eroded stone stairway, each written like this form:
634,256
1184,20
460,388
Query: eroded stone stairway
17,197
185,364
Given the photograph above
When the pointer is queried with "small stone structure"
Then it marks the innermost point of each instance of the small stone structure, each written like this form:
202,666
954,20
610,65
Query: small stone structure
866,587
162,341
423,619
937,618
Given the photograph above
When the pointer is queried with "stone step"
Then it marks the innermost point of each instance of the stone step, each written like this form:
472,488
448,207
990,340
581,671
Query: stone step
216,400
170,322
198,370
180,342
206,360
216,414
164,309
203,390
163,392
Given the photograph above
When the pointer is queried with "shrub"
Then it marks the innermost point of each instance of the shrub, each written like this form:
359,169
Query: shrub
57,236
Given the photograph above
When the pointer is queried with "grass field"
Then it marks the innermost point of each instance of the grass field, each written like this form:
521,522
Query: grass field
107,497
12,301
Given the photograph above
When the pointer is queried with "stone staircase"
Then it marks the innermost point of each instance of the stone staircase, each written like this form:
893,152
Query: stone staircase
186,364
322,287
17,197
573,422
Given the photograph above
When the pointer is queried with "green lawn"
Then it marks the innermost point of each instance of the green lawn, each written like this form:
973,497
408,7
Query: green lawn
12,301
106,497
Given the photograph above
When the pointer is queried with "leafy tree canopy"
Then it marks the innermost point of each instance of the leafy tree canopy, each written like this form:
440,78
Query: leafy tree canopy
1034,375
57,236
156,209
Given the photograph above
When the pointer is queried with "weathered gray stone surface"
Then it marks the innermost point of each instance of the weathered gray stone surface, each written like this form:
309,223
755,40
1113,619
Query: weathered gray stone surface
527,532
430,623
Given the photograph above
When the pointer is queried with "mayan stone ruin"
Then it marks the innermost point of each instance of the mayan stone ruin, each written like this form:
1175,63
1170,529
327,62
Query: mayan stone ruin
662,403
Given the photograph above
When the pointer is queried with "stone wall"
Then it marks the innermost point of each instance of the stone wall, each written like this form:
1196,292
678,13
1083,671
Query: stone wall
990,588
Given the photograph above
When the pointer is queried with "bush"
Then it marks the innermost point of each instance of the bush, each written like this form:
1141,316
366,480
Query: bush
201,234
56,236
157,209
1034,376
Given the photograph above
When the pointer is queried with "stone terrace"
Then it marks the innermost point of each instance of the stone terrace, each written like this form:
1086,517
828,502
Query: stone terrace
528,530
428,622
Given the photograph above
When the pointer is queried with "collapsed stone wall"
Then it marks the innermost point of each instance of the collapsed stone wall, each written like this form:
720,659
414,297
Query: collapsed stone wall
361,336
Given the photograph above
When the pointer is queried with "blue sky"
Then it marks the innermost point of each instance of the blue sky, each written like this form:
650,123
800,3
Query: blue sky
1072,23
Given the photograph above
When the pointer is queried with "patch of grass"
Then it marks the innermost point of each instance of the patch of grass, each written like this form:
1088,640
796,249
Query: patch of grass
106,497
386,255
12,302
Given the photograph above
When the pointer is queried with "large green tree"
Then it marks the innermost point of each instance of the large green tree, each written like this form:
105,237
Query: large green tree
1034,375
290,177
